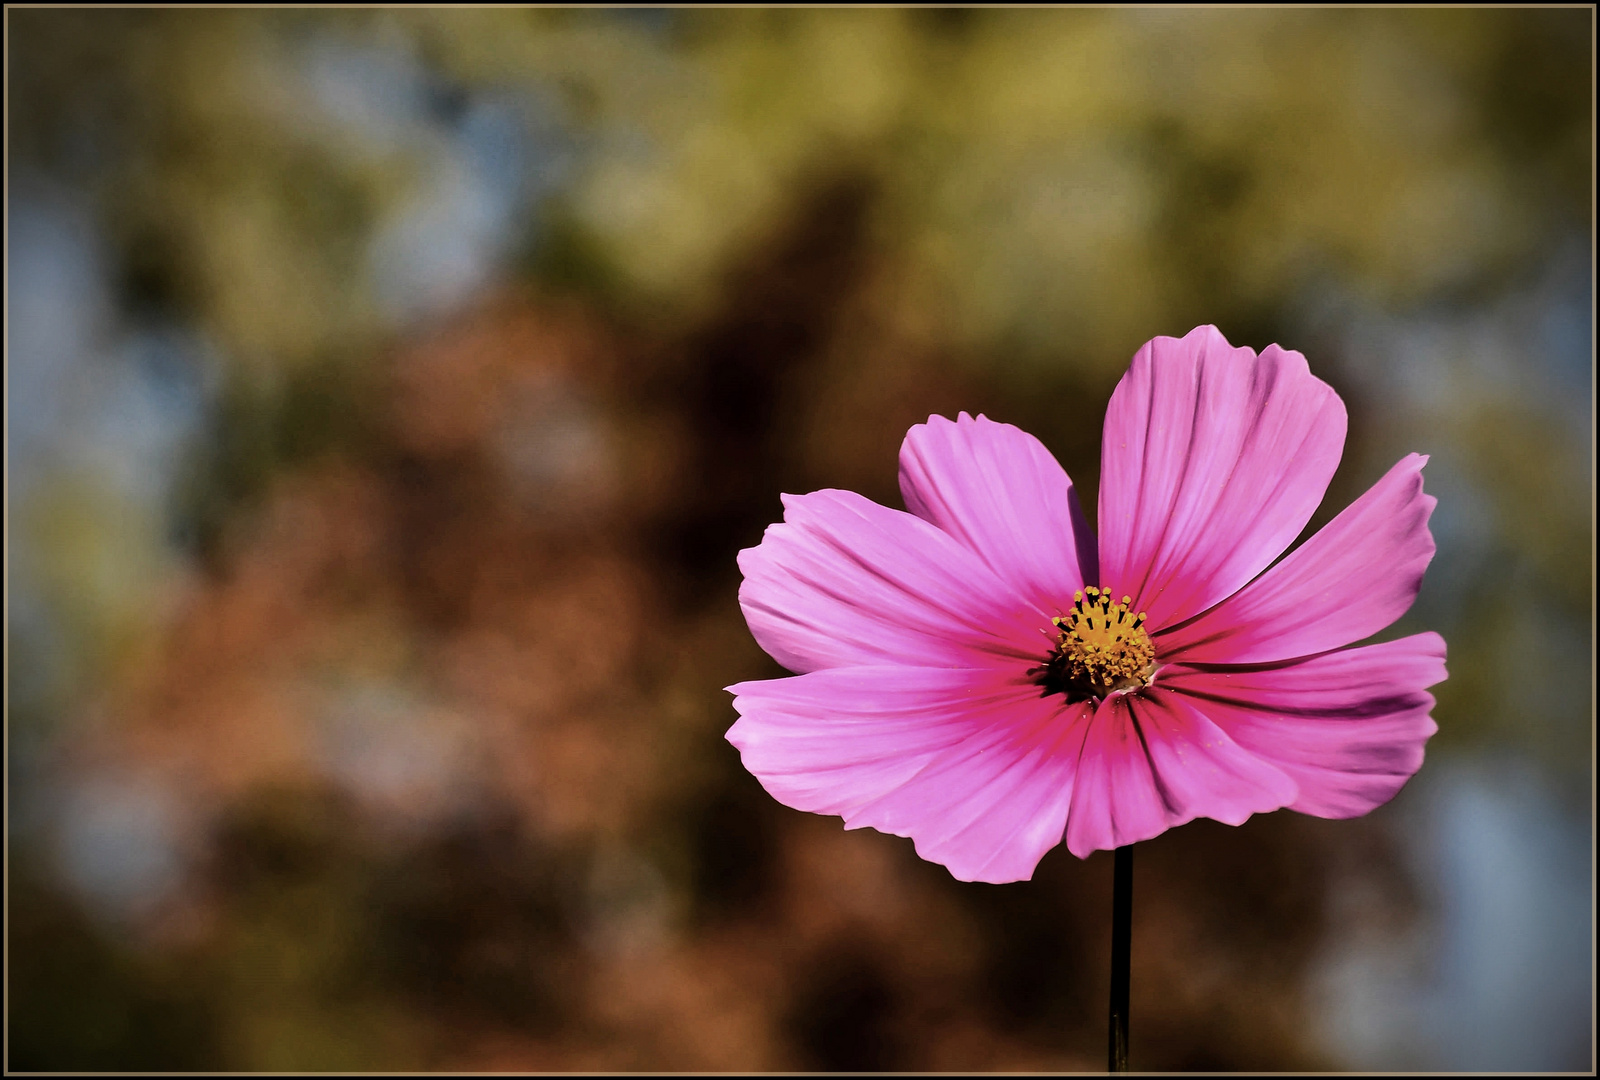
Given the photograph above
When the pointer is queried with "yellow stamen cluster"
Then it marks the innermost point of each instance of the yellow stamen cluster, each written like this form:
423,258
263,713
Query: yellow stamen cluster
1102,647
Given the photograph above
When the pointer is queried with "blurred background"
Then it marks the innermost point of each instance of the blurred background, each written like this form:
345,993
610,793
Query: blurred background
389,394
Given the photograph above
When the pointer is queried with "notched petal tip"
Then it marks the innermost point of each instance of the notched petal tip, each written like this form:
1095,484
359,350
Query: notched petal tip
1213,459
1201,336
1348,726
1432,652
843,581
976,770
1352,578
999,492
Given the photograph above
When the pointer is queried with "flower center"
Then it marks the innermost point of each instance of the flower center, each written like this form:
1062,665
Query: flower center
1101,648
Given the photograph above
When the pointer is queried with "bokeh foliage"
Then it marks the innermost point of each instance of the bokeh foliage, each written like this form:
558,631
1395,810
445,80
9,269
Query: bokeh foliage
726,254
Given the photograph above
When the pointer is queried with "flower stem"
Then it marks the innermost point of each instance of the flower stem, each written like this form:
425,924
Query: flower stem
1121,927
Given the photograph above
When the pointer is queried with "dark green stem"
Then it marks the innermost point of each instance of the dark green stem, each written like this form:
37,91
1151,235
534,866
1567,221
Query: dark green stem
1121,931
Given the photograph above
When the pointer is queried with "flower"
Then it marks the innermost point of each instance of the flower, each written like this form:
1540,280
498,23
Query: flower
979,675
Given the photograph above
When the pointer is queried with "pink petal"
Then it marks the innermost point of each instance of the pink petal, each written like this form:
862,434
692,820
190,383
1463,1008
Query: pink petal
1153,761
1114,796
997,489
1357,575
1348,726
843,581
975,766
1213,461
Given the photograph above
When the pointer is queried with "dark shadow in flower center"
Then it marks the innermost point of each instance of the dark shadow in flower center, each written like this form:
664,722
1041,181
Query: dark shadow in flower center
1053,677
1101,648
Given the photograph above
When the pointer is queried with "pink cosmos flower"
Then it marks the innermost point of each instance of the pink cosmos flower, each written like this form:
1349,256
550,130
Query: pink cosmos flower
979,675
